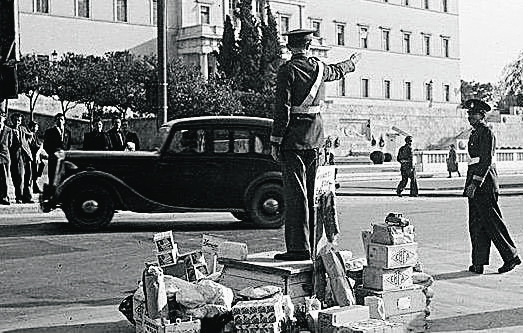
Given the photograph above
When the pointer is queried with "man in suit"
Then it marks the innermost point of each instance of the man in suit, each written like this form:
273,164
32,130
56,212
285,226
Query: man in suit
486,224
297,135
97,139
116,135
6,140
130,136
39,155
56,138
407,169
21,159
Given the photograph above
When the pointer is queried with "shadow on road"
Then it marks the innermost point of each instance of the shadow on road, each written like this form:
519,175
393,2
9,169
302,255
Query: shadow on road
90,302
479,321
115,327
64,228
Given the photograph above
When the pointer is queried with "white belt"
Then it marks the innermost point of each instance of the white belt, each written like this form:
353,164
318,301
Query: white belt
307,109
475,160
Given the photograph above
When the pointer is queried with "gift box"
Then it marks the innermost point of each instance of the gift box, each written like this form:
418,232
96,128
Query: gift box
387,279
164,241
392,256
337,316
155,326
195,265
269,310
233,250
394,302
383,233
259,328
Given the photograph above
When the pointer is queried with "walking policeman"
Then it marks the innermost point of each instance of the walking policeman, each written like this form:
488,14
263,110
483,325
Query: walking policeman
486,224
297,135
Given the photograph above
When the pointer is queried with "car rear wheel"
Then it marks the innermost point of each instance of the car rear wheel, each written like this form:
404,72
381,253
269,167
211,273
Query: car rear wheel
89,207
266,206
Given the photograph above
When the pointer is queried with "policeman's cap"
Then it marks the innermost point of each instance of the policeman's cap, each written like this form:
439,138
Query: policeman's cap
299,37
408,138
476,106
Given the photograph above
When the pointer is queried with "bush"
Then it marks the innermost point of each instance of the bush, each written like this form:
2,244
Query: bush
388,157
377,157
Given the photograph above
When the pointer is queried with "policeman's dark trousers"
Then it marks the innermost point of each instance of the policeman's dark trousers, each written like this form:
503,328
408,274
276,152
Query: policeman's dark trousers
407,174
485,226
299,171
22,176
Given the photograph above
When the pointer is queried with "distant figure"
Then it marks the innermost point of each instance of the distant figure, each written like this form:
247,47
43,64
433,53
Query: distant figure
486,224
21,160
97,139
39,155
6,140
116,135
130,137
328,149
407,169
452,163
56,138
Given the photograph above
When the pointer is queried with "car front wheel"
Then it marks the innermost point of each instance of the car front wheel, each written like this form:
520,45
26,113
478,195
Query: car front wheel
266,206
89,207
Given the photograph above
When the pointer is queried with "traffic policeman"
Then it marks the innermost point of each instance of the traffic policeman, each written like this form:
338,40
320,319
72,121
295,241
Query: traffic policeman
486,224
297,135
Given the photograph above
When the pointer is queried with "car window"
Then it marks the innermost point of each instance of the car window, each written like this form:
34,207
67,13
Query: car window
221,141
241,141
189,141
261,142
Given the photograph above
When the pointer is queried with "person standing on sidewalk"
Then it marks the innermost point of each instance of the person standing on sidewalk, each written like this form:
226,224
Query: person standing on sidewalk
6,141
452,161
486,224
297,135
21,160
39,155
407,169
56,138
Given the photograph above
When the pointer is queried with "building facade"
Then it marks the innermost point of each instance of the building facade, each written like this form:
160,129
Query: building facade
406,83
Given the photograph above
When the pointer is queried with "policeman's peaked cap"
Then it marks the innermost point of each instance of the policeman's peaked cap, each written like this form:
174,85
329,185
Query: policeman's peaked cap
476,106
408,138
299,37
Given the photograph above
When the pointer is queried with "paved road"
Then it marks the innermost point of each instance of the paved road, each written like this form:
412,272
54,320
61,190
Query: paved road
55,279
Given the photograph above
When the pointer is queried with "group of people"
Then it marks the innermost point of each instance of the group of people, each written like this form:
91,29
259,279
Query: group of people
297,137
119,137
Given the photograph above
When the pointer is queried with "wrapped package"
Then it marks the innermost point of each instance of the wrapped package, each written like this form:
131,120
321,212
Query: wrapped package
155,293
328,319
193,295
259,292
392,256
382,233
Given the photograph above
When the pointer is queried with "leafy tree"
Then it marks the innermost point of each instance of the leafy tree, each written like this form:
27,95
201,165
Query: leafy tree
228,50
249,53
512,83
32,73
271,52
483,91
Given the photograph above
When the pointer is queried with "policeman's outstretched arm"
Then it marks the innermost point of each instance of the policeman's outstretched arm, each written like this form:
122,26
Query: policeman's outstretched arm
355,57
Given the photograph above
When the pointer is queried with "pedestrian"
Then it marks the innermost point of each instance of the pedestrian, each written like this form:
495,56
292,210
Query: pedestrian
452,161
97,139
407,169
116,135
6,140
37,150
297,135
327,148
486,224
56,138
21,160
130,137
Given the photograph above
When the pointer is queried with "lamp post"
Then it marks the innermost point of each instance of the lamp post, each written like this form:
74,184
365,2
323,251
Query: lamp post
162,62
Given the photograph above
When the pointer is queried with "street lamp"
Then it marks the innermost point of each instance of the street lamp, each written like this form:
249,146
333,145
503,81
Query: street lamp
54,57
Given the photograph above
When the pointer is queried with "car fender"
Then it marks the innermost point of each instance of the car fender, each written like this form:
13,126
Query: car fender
267,177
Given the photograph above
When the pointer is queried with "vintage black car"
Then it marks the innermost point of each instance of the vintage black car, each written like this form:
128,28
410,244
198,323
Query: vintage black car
215,163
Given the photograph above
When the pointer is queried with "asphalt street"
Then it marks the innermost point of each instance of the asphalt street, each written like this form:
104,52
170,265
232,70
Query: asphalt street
56,279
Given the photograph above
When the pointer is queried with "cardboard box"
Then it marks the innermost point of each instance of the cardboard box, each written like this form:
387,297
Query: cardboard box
392,256
337,316
371,326
233,250
152,326
387,279
164,241
269,310
395,302
383,233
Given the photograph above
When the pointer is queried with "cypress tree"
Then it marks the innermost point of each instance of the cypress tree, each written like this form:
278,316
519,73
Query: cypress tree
228,50
271,51
249,54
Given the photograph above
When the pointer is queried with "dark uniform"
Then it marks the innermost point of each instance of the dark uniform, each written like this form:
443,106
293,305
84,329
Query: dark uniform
407,169
55,139
485,221
298,130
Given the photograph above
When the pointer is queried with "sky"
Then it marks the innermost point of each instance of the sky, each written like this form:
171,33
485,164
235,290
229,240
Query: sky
491,36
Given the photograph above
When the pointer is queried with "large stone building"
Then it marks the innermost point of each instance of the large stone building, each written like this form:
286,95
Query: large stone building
406,83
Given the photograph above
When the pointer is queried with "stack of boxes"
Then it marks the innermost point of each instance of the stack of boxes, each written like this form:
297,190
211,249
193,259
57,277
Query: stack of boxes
353,319
388,287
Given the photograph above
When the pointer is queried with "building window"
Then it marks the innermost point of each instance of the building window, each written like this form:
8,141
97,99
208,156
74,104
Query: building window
405,2
445,44
233,4
259,8
364,87
385,35
316,26
205,15
364,34
406,42
284,24
386,89
82,8
341,87
446,93
445,6
426,4
428,91
340,34
154,12
121,10
426,44
408,91
41,6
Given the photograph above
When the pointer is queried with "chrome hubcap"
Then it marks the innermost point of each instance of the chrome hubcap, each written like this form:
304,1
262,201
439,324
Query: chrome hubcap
90,206
270,206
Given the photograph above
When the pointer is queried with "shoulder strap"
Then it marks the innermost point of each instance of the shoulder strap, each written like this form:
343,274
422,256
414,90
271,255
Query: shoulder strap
315,87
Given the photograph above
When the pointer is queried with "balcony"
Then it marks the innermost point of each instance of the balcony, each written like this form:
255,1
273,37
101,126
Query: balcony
200,31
